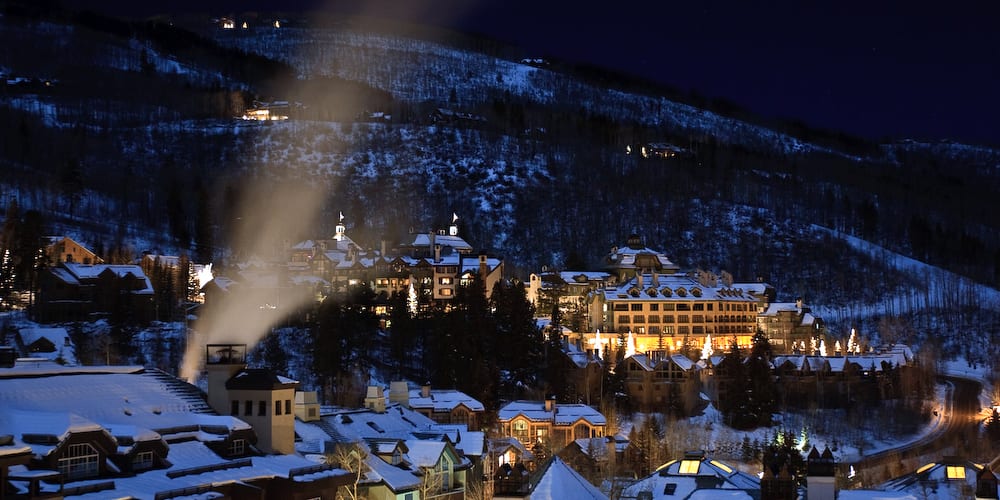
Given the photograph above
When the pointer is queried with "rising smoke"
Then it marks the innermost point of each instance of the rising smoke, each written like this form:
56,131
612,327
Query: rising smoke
273,216
269,217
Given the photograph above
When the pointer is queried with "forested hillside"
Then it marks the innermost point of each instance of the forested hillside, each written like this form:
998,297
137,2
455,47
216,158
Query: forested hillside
124,134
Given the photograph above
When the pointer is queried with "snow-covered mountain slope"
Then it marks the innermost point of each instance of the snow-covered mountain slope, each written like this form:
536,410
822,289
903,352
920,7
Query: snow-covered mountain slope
419,71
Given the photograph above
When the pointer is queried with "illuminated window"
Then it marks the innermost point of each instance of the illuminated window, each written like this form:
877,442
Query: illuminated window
689,466
445,281
446,292
956,472
521,431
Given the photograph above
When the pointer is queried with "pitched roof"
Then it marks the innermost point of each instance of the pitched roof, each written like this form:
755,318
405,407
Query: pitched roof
444,400
561,414
556,480
707,479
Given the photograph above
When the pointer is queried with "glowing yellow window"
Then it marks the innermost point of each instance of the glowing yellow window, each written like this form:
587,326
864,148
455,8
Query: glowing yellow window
956,472
689,466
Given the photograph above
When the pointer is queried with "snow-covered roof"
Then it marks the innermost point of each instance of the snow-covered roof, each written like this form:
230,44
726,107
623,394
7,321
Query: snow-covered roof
730,483
556,480
580,358
472,265
778,307
92,271
112,396
397,479
423,240
425,453
673,287
444,400
192,454
952,478
561,414
575,277
354,425
469,443
650,364
596,448
625,257
131,404
59,337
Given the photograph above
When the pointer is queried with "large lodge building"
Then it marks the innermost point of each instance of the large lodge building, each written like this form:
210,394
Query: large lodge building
643,295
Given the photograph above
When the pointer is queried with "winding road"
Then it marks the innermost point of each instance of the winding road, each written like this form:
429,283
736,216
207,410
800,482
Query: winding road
954,437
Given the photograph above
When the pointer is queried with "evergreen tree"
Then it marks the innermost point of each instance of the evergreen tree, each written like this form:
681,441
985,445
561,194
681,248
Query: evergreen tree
518,342
993,426
782,452
341,332
555,360
763,390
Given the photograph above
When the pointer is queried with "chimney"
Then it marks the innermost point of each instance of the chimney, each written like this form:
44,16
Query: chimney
437,253
222,361
483,268
638,278
425,390
399,392
383,247
375,399
821,471
550,403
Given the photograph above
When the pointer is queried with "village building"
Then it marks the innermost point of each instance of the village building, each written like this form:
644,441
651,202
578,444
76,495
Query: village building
130,432
444,406
75,291
676,312
544,426
665,384
694,476
405,452
53,344
790,327
431,267
59,249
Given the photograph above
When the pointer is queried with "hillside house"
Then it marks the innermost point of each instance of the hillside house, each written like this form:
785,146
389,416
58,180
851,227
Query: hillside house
74,291
53,344
59,249
549,425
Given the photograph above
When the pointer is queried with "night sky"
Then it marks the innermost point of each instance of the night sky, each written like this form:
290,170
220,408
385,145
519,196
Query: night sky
876,69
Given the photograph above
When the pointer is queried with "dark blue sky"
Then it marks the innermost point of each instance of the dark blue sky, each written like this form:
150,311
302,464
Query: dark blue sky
871,68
